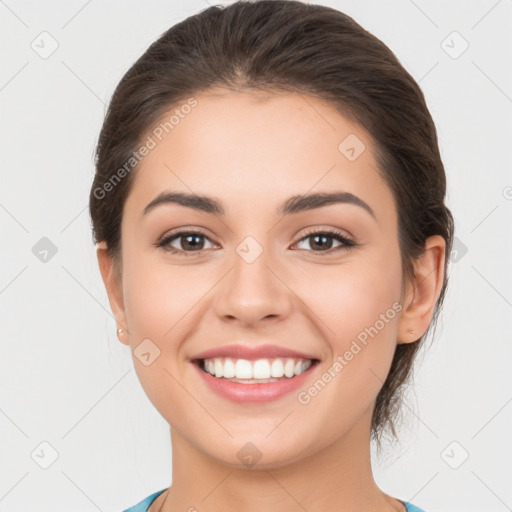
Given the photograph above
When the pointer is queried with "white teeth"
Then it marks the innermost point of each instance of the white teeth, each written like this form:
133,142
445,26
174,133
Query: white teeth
263,369
229,368
305,365
218,367
277,368
243,369
288,368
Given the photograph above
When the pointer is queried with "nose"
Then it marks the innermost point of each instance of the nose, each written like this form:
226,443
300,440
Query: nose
253,291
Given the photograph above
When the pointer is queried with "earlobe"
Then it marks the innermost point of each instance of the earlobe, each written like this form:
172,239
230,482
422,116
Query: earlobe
114,290
422,293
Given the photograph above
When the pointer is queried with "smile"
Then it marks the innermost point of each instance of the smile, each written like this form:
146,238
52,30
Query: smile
260,380
260,370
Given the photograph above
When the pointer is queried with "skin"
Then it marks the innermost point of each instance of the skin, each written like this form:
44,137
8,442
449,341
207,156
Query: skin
252,151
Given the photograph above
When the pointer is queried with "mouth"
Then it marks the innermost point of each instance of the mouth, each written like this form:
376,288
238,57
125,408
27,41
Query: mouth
258,380
260,371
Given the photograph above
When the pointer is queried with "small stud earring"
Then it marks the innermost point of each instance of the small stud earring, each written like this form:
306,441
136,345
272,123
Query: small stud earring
120,331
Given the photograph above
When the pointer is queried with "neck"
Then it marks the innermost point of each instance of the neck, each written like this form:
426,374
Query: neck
337,477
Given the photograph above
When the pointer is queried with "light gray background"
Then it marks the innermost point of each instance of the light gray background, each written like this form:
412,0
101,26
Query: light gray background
66,379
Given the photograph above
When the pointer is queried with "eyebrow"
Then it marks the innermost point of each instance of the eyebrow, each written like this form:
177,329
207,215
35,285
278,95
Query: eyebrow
294,204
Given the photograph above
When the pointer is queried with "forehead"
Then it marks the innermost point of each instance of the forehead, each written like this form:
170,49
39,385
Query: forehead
249,148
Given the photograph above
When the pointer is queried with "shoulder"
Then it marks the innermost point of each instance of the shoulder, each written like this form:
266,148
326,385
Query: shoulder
412,508
143,505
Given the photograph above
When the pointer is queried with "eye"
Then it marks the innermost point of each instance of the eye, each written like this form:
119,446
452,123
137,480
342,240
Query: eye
321,239
190,242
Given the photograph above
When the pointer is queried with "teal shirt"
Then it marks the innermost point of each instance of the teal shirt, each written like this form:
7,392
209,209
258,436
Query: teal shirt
144,504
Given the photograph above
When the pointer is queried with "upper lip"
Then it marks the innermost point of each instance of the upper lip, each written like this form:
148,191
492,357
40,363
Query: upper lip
252,352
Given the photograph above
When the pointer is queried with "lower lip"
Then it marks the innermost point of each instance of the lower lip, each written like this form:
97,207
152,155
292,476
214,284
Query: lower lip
264,392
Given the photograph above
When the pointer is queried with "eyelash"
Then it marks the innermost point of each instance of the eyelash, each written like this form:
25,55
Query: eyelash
164,243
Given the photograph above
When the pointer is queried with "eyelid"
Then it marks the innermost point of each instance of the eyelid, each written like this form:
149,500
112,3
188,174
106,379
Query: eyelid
346,240
172,235
341,236
183,230
312,230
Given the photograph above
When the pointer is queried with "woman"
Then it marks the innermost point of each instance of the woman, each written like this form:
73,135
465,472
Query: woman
269,212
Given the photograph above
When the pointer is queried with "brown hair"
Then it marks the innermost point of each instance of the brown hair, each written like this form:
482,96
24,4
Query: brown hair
287,45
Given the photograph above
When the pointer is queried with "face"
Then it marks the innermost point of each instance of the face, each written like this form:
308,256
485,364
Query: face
323,279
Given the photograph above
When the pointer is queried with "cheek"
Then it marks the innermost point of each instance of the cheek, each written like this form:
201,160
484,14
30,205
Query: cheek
146,302
358,310
157,295
351,297
359,316
156,307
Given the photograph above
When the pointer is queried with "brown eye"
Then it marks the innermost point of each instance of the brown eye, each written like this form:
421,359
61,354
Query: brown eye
187,241
322,241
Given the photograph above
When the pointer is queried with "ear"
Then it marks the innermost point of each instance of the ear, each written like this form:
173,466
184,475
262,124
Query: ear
423,291
114,289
